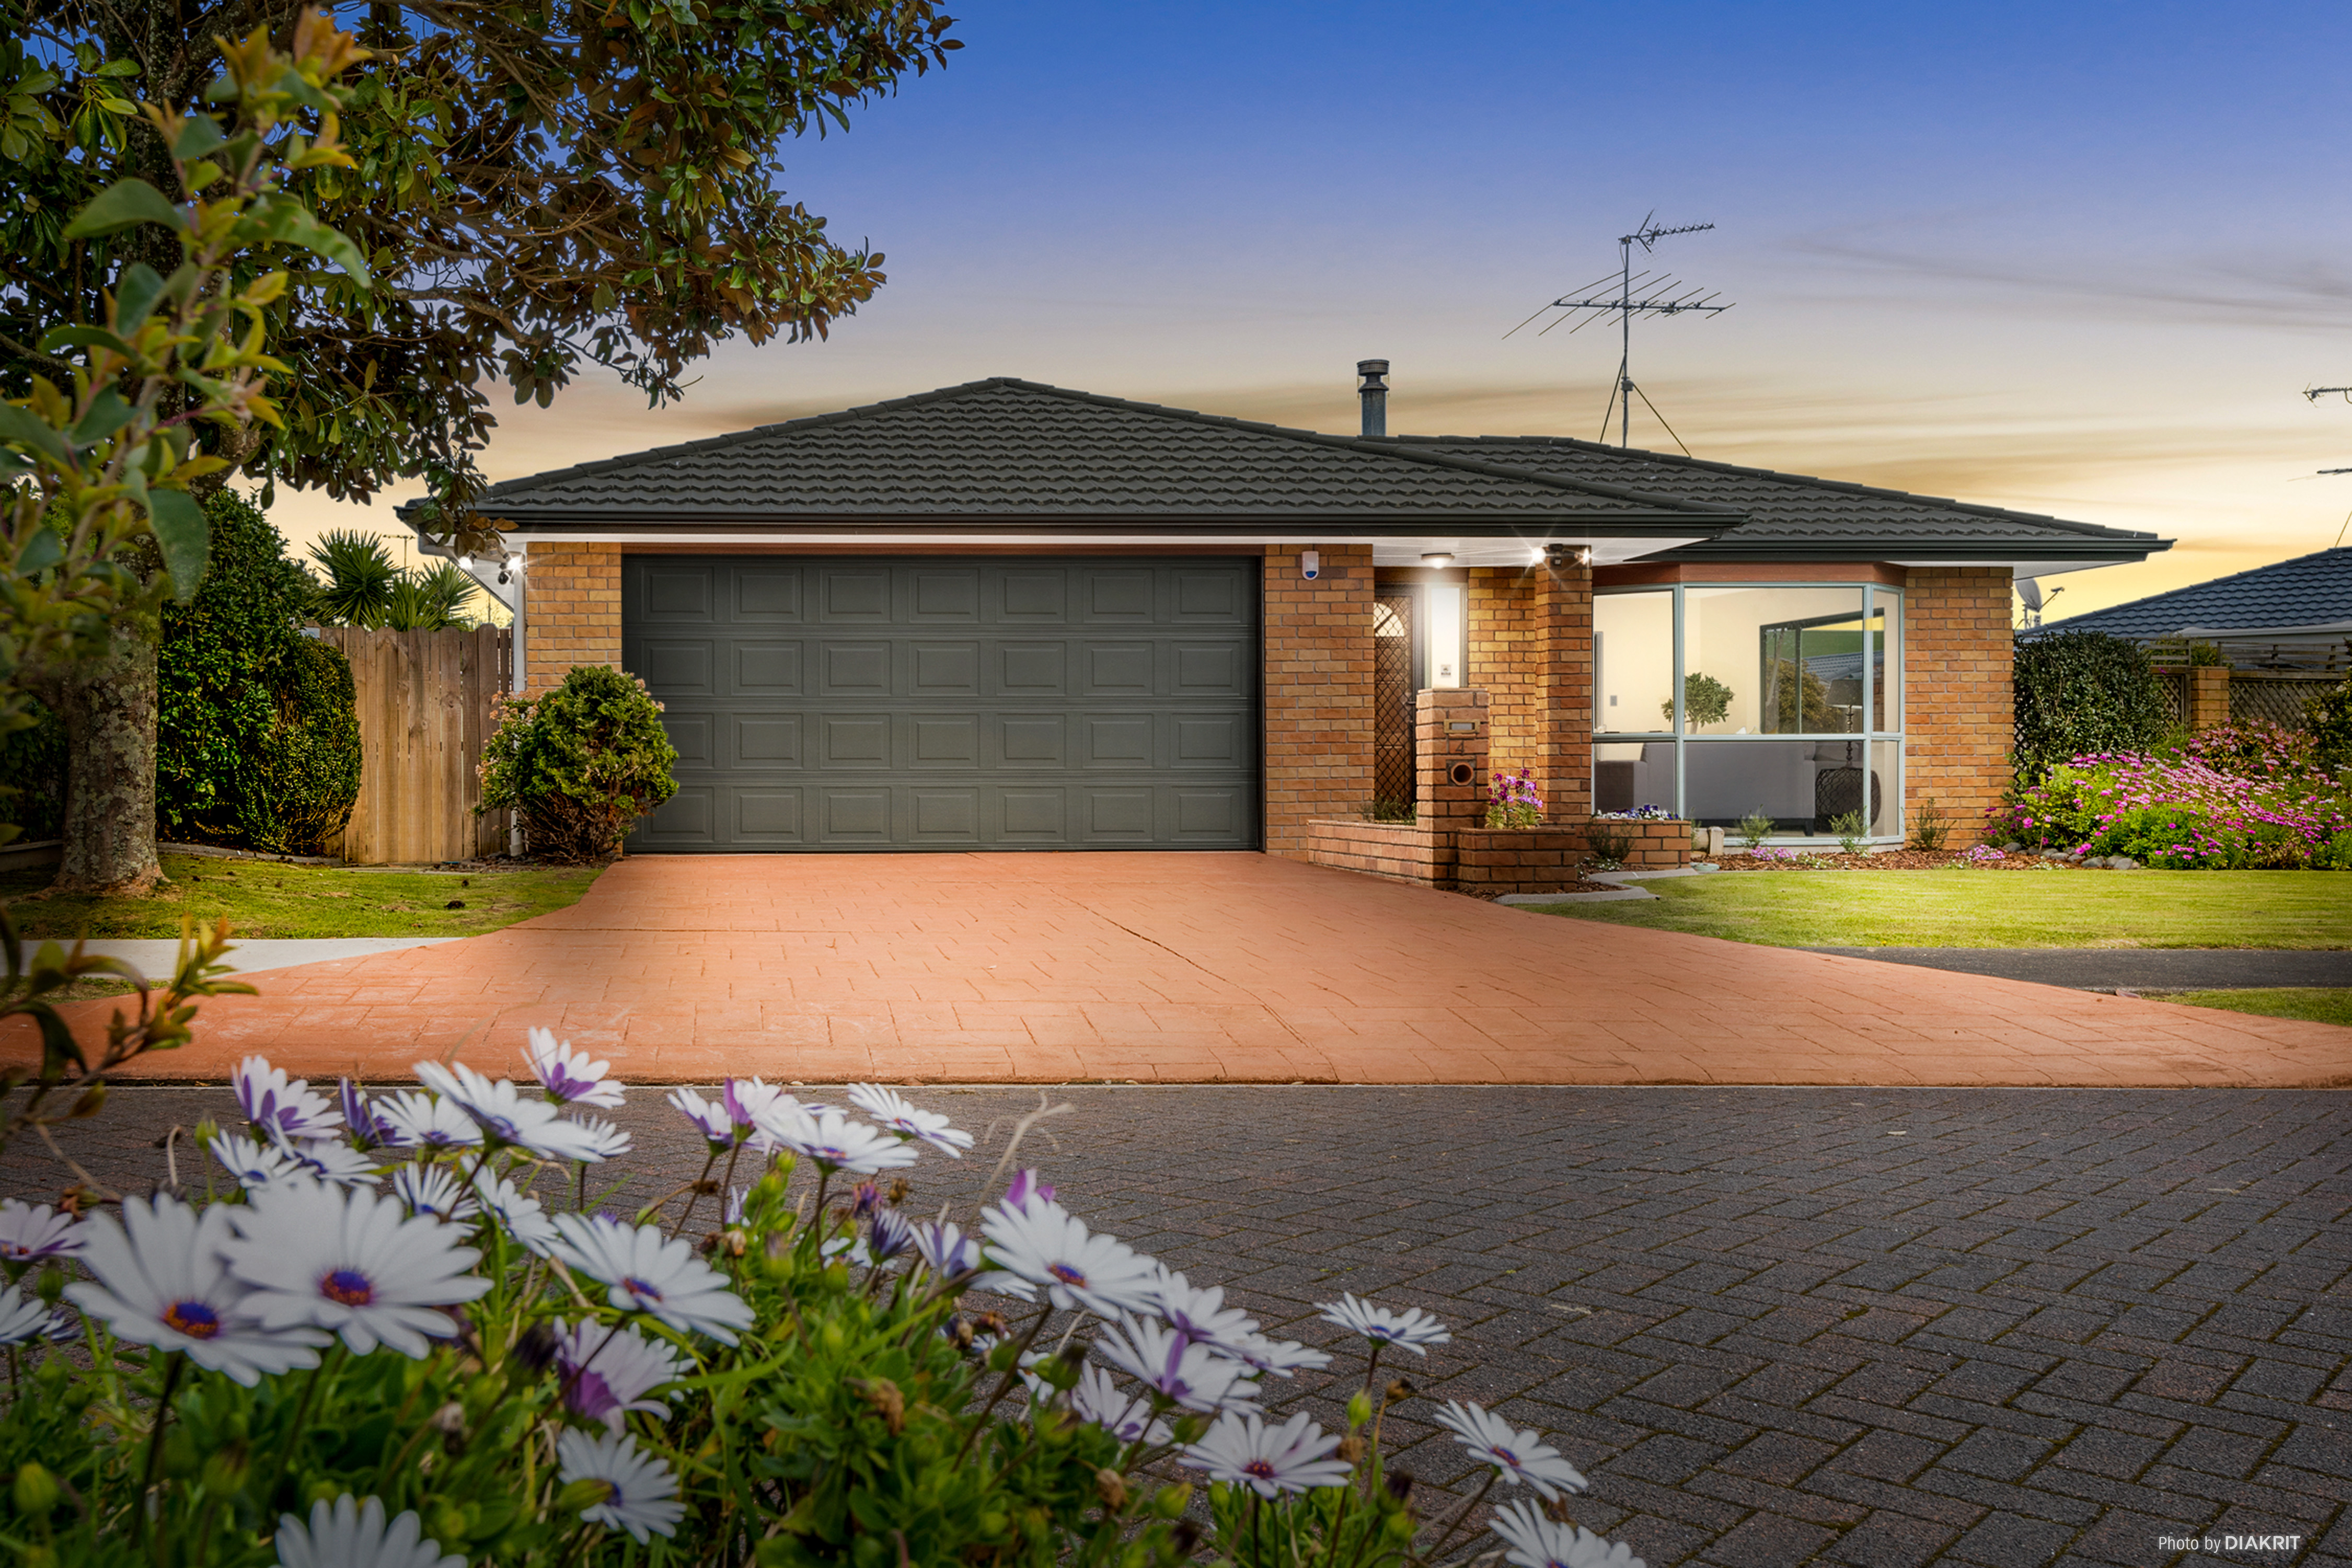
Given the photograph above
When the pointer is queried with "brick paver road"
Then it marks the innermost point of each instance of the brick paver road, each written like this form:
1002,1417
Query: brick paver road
1773,1325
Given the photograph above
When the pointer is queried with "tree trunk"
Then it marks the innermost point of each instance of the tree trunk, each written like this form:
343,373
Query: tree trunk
109,704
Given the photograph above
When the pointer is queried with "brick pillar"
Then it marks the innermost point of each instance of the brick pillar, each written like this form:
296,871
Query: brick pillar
1564,692
1505,661
2209,696
1318,691
1960,704
1450,732
572,611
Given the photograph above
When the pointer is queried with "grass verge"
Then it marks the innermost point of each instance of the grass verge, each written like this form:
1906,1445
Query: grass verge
1986,909
2316,1004
265,898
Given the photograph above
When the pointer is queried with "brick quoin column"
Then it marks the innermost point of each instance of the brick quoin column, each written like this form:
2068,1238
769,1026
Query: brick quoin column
572,611
1531,650
1960,706
1318,691
1564,692
1450,733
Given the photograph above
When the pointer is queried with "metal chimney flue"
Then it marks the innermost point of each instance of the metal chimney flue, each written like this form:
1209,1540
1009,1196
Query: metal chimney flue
1374,390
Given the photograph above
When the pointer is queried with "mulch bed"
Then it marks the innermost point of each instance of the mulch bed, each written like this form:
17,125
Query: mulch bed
1894,861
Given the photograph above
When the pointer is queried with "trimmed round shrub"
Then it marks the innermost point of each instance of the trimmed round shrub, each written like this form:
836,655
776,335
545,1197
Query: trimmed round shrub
2083,693
258,742
580,764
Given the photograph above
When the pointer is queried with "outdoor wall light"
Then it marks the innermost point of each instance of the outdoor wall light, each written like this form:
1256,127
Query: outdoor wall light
1437,558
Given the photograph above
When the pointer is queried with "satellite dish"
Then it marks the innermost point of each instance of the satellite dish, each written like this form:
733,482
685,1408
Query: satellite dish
2029,589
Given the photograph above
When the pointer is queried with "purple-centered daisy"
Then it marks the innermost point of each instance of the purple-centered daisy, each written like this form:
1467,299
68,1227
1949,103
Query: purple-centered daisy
1243,1450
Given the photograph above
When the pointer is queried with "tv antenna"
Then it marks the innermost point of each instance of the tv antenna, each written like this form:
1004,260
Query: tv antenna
2315,394
1661,295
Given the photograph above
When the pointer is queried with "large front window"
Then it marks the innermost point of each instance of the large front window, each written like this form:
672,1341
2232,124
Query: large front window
1722,704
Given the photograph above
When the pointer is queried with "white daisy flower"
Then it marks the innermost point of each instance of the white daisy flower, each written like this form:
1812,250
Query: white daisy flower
434,1193
605,1371
895,1114
642,1496
351,1263
518,1214
946,1250
363,1119
23,1317
650,1272
1097,1398
346,1534
1045,1246
745,1098
1242,1449
1280,1357
332,1160
273,1103
415,1121
832,1140
504,1117
253,1164
1412,1328
161,1281
606,1138
1536,1542
568,1075
709,1117
1193,1376
1518,1455
30,1234
1199,1314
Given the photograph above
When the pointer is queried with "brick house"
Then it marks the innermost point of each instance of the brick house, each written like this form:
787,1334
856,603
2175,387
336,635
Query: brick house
1008,616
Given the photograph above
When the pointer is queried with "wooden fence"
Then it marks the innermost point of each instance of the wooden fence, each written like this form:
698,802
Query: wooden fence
427,701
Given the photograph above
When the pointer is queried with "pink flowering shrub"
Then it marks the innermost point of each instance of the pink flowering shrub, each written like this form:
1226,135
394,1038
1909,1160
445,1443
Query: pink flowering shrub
1513,801
2229,798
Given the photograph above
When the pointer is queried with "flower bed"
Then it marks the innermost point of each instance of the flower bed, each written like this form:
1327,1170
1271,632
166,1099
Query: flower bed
2235,797
398,1330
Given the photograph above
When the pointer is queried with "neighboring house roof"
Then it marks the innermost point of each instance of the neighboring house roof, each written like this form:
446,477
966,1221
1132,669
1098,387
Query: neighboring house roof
2311,595
989,450
1794,517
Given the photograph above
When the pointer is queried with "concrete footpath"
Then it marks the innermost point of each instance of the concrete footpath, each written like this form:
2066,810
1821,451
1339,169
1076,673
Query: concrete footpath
156,957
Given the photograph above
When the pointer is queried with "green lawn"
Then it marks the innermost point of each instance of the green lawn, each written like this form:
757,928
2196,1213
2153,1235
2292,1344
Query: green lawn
2321,1004
1998,909
263,898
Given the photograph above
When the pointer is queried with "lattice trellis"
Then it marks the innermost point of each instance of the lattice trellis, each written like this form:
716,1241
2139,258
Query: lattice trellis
1393,780
2277,698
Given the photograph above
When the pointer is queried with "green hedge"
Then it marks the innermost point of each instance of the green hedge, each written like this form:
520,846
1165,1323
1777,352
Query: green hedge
2083,692
257,741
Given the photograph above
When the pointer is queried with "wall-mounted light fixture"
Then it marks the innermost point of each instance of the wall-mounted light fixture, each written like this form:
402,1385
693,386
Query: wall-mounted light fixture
1437,558
1567,555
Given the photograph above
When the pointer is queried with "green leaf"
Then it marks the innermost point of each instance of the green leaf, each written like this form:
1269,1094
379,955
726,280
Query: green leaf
106,414
200,135
184,537
135,294
58,337
20,427
43,551
283,218
120,206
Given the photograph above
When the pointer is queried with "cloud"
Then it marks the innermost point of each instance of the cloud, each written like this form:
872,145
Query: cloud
2301,294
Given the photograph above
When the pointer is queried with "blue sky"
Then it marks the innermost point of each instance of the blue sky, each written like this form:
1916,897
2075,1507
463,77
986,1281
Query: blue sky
2072,259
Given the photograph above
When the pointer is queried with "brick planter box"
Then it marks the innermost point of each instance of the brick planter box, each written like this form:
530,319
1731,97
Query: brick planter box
1486,859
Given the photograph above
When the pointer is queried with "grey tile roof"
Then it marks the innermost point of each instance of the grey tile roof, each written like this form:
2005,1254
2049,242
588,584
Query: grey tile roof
2312,590
1794,514
1008,448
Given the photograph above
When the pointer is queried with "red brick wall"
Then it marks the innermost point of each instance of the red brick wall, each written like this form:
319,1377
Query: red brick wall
1960,720
1531,650
1318,691
572,610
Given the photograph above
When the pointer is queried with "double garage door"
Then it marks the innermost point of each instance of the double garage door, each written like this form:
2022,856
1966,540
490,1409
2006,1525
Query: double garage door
834,703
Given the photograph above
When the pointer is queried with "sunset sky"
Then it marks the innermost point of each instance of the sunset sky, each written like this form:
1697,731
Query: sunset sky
2072,259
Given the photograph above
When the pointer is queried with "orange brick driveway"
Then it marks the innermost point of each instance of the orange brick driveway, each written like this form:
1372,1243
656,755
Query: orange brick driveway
1186,968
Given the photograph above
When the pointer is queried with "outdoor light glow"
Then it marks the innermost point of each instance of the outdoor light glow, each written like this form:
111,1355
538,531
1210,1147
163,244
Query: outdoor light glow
1440,558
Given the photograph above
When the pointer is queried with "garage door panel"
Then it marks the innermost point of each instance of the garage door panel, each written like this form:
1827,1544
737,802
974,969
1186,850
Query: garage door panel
950,704
853,741
767,594
936,670
766,669
854,669
767,741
